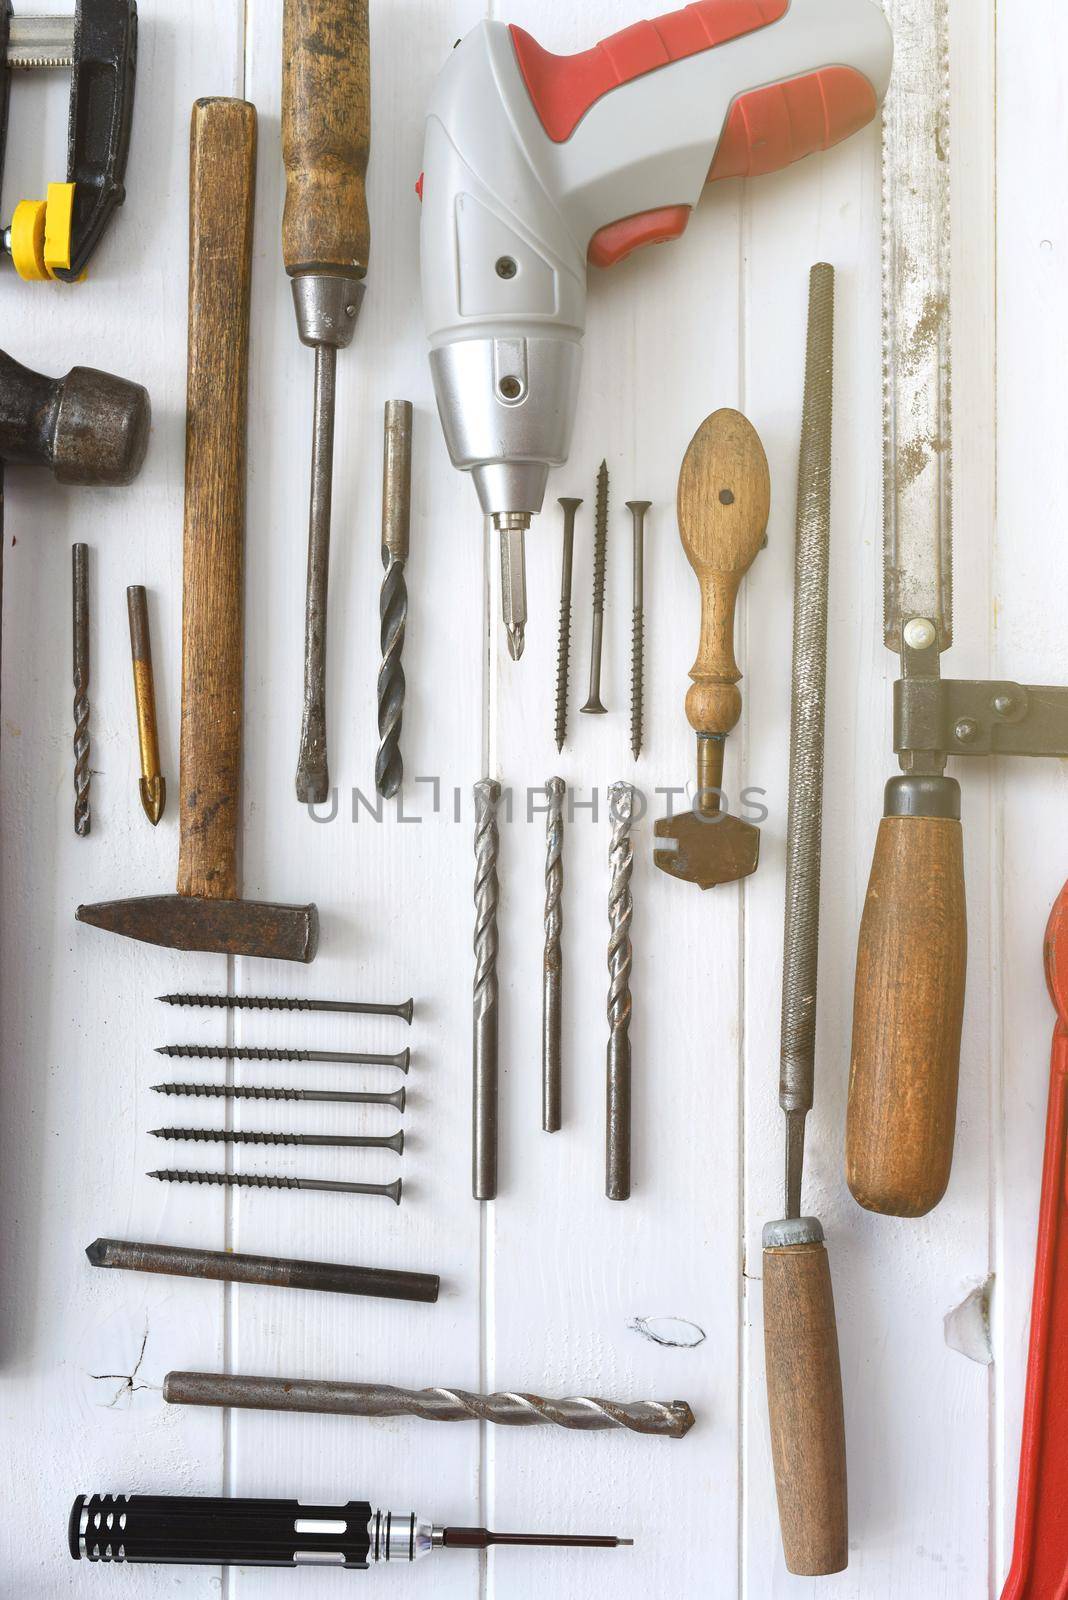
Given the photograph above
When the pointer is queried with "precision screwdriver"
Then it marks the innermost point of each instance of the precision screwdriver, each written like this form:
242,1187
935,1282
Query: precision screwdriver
326,237
195,1530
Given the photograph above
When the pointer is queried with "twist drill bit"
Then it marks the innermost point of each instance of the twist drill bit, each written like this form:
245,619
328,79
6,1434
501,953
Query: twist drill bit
234,1091
258,1180
152,787
484,1054
637,509
225,1052
666,1419
563,649
600,559
80,575
620,911
362,1141
552,982
393,602
253,1002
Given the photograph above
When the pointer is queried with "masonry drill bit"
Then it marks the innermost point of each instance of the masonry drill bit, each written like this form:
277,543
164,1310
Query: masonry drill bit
552,981
563,649
153,788
620,912
393,601
80,575
600,558
235,1091
666,1419
360,1141
484,1055
226,1052
637,509
259,1180
254,1002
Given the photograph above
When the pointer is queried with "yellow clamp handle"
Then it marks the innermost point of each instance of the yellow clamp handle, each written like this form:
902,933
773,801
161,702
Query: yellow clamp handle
41,234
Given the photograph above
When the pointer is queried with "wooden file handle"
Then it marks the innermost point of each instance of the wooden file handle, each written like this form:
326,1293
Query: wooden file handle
723,503
326,136
222,168
907,1014
805,1408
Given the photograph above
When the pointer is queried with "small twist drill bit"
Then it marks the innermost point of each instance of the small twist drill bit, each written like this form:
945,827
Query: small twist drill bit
253,1002
484,1054
620,912
259,1180
152,786
226,1052
340,1141
393,601
552,981
667,1419
235,1091
80,576
600,560
563,650
637,509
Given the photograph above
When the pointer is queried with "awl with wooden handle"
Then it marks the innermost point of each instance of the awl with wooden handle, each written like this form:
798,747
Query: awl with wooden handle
326,237
804,1375
724,498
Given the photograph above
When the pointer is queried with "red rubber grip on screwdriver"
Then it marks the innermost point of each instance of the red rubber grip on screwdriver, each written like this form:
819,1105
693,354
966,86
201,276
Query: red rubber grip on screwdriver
1039,1568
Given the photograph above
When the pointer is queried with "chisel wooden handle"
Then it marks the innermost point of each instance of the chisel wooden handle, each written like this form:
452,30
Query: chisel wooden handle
222,167
326,136
805,1403
908,1006
724,499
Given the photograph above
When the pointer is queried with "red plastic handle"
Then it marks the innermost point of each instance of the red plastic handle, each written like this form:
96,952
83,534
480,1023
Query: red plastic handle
1039,1568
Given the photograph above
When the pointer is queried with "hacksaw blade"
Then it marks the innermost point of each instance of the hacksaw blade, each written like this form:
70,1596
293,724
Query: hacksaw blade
917,386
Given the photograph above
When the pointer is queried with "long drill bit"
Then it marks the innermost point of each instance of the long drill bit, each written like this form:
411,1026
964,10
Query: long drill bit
393,601
552,981
152,786
240,1091
600,560
225,1052
637,509
259,1002
340,1141
484,1074
259,1180
620,912
563,648
80,575
667,1419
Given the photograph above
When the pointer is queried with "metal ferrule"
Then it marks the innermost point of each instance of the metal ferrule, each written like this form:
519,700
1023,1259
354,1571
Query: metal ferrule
396,1537
792,1231
327,307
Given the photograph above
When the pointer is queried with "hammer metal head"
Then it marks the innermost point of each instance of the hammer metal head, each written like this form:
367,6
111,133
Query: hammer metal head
712,849
222,927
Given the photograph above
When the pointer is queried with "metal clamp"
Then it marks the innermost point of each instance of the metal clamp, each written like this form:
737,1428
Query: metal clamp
969,717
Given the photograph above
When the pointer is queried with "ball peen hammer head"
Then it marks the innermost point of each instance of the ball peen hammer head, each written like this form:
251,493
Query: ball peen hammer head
89,427
709,849
217,927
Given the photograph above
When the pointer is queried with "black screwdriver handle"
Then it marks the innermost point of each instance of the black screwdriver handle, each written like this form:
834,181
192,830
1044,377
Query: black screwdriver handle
196,1530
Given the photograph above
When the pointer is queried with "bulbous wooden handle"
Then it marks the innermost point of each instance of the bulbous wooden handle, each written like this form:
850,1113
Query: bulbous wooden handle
805,1408
724,498
326,135
908,1011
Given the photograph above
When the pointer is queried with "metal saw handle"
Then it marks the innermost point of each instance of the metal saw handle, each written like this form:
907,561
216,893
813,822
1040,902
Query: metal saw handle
326,136
908,1006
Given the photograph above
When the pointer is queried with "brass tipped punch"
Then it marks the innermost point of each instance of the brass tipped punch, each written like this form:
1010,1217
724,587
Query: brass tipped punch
152,786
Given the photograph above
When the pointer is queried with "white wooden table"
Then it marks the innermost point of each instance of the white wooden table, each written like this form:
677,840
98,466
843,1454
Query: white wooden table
540,1290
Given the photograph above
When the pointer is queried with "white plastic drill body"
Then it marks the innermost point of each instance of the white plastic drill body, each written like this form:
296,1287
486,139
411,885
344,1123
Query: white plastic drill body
509,212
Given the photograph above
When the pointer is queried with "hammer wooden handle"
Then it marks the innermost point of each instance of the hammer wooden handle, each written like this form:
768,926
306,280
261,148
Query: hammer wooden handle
724,498
907,1015
222,167
326,136
805,1407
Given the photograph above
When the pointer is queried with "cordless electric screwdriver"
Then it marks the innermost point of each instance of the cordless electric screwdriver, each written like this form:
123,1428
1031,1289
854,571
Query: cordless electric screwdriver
536,163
